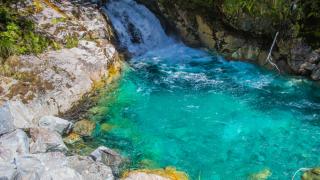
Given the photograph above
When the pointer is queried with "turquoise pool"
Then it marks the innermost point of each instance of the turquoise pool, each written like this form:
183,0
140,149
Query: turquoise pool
211,118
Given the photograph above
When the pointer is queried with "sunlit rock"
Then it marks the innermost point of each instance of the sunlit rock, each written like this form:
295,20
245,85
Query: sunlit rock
72,138
168,173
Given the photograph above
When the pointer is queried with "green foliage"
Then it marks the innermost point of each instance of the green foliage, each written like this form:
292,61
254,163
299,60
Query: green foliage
71,41
309,24
17,35
277,10
191,4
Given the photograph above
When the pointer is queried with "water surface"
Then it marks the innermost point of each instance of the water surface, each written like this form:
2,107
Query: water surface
212,118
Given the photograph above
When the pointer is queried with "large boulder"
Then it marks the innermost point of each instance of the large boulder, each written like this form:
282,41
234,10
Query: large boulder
45,166
108,157
64,173
18,114
52,160
45,140
8,171
90,169
13,144
55,124
29,167
6,120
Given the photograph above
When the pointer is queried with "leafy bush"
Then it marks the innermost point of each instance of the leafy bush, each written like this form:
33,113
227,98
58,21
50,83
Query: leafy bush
18,36
71,41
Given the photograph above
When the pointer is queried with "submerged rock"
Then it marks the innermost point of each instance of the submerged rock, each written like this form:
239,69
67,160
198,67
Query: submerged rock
84,127
312,174
261,175
55,124
45,140
168,173
72,138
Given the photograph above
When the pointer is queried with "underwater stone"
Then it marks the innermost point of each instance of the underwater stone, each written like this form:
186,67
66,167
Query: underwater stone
84,127
72,138
262,175
312,174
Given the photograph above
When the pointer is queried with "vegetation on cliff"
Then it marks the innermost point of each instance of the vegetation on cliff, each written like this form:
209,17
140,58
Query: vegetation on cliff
18,35
292,18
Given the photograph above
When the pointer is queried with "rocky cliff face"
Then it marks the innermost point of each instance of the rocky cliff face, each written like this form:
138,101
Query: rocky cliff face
246,33
51,82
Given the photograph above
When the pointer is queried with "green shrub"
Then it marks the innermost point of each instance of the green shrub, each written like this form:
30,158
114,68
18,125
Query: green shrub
18,36
71,41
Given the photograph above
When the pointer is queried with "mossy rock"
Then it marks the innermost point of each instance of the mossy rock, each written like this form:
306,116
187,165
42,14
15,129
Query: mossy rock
84,127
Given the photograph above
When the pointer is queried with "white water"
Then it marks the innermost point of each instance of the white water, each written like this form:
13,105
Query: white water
137,28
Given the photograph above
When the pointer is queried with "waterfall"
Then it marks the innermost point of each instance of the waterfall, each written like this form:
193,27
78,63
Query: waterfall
137,28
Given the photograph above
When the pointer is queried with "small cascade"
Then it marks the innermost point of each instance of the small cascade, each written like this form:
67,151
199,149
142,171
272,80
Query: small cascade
137,28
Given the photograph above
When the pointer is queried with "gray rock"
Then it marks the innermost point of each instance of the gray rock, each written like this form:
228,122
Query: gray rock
64,173
6,120
45,140
21,115
8,171
29,167
90,169
108,157
55,124
306,68
314,57
13,144
316,74
6,154
52,160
